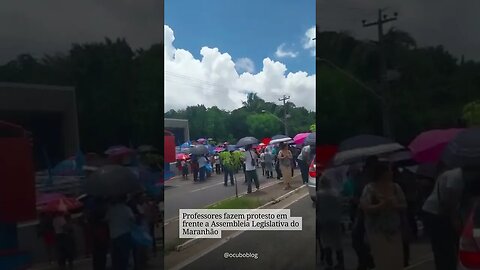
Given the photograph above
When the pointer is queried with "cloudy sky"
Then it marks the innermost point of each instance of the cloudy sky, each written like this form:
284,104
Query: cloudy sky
50,26
453,24
217,51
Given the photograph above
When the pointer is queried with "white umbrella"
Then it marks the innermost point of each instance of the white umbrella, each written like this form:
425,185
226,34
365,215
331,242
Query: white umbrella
361,147
284,140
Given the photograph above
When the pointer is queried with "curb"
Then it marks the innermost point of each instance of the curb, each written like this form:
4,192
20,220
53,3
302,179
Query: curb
195,240
240,195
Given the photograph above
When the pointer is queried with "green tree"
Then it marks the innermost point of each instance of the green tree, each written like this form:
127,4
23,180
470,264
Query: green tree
471,113
263,125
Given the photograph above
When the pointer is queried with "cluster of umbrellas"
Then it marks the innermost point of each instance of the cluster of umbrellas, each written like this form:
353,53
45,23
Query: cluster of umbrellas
188,148
299,139
454,147
107,181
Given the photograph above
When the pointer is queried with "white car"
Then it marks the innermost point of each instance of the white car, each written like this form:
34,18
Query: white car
336,175
312,179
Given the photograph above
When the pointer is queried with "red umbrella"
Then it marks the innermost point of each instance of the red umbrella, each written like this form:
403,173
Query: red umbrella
266,141
46,198
428,146
62,205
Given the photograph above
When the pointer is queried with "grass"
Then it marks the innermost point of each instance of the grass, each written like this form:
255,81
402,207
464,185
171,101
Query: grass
237,203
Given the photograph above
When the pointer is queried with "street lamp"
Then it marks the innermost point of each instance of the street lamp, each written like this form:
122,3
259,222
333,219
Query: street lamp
281,121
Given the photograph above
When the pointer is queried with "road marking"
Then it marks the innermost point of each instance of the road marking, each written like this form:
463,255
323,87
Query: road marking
269,184
203,188
419,263
223,241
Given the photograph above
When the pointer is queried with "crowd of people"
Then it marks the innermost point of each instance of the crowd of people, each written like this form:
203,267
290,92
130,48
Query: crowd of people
282,159
385,204
123,227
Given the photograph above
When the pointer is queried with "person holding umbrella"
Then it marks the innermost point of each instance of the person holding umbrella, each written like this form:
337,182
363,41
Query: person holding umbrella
304,162
114,181
268,160
448,205
65,242
121,221
227,171
251,168
285,162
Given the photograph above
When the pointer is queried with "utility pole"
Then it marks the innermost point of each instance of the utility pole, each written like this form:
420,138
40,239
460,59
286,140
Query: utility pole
284,99
383,89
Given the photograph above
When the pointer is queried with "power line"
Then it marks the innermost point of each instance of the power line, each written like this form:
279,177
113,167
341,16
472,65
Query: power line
381,20
284,99
201,82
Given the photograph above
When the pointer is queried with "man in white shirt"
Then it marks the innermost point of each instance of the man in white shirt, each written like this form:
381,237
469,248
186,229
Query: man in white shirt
121,221
441,217
251,168
304,162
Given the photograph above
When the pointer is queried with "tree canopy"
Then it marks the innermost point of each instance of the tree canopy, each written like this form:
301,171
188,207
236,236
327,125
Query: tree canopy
119,91
431,91
255,118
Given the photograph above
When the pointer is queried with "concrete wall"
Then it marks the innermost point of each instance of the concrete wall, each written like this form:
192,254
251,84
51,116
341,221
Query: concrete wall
44,98
178,123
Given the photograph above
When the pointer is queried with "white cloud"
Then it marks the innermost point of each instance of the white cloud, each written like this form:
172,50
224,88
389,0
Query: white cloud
308,42
214,81
282,53
245,65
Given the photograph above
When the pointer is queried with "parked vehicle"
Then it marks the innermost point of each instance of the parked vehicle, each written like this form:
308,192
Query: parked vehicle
313,176
469,246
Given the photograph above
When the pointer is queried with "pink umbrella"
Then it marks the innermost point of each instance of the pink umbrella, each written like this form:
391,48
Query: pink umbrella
62,205
182,156
428,146
219,149
300,138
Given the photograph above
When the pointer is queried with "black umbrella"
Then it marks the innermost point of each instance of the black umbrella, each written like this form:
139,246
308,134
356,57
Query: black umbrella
246,141
199,150
464,150
311,139
362,146
112,180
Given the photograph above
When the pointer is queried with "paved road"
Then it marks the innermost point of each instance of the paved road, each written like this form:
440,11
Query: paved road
180,194
276,249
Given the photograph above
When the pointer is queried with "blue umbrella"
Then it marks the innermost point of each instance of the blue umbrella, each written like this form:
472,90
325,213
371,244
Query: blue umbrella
65,168
231,147
186,144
